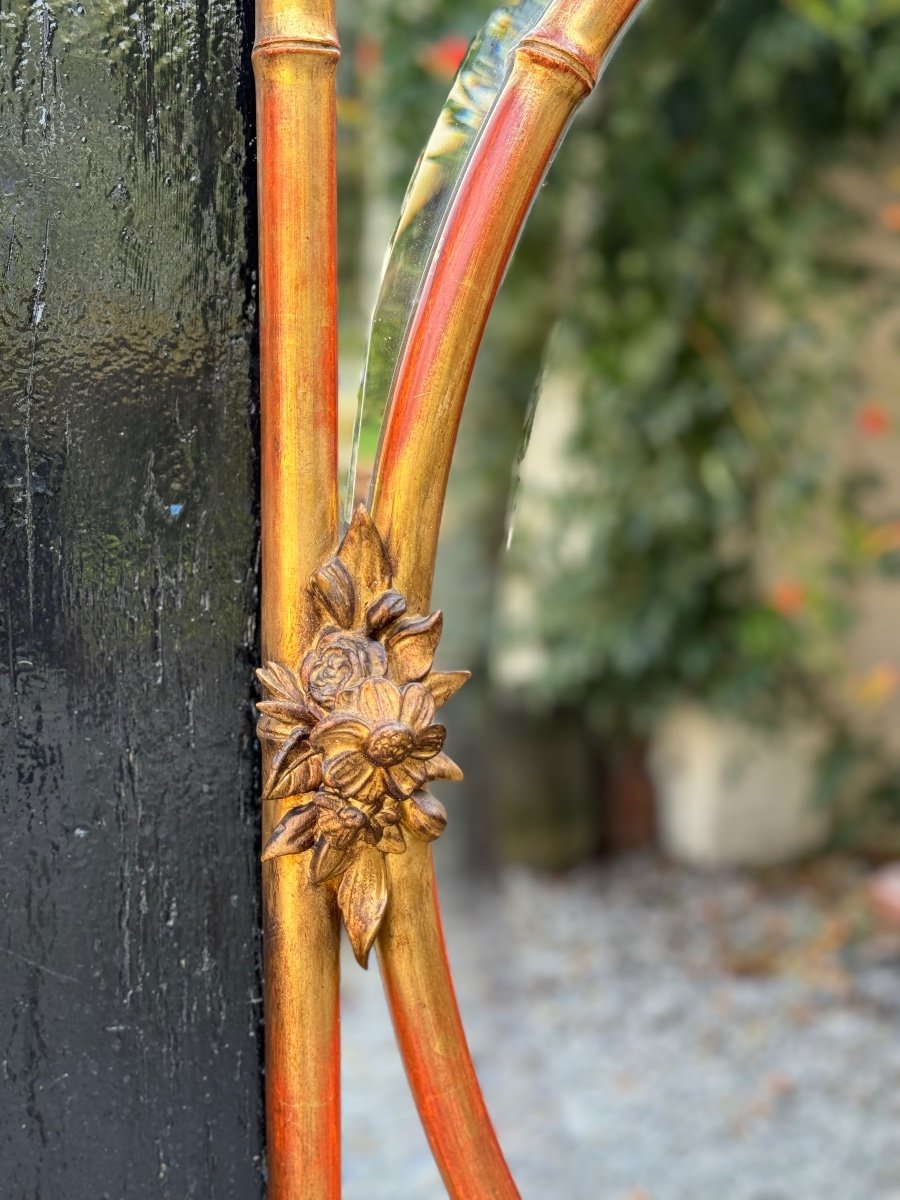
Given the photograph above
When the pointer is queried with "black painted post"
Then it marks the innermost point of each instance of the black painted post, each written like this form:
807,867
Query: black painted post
129,973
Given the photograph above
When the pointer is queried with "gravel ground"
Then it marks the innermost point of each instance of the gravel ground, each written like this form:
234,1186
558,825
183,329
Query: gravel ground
646,1033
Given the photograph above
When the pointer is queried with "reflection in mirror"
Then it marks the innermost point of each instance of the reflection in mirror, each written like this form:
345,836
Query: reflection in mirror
425,205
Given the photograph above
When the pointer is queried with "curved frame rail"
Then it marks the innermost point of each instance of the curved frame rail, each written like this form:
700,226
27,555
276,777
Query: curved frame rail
554,68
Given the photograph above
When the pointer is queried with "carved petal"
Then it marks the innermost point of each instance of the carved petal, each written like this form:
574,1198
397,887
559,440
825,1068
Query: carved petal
329,801
294,833
388,607
338,733
404,778
430,742
391,840
442,767
389,813
444,684
304,776
335,589
378,700
327,861
424,816
349,772
417,709
362,898
363,554
411,645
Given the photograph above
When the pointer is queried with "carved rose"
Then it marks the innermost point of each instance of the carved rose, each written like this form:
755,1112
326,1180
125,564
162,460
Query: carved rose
340,662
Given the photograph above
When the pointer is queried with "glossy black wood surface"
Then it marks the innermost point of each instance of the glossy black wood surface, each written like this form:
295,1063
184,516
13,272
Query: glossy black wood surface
129,962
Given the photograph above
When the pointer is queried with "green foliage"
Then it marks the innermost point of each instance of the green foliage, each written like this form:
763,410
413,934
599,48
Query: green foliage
693,252
714,325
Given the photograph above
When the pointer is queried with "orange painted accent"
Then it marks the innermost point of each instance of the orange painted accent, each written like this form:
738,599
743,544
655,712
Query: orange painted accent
553,69
294,64
416,976
423,416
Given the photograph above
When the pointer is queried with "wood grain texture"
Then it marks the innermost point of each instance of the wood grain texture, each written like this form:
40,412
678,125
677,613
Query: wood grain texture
130,994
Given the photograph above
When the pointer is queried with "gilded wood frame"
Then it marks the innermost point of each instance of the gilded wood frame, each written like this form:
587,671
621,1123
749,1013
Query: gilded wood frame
347,724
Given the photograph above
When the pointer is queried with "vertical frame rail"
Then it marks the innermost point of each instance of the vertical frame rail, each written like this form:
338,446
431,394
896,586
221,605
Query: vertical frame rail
294,59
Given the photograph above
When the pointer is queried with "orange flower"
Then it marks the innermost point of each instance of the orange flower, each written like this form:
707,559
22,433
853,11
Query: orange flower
788,597
873,420
889,217
443,58
368,55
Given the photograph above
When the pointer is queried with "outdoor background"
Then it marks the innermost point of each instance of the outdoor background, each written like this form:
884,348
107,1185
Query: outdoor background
672,910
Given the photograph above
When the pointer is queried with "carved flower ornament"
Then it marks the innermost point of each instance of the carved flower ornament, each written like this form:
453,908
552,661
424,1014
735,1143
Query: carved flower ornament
352,733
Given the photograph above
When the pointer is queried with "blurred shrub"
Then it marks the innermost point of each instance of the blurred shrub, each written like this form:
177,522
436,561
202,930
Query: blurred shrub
713,328
707,304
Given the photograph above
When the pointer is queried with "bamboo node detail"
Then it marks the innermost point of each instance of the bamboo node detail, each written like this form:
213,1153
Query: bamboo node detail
352,734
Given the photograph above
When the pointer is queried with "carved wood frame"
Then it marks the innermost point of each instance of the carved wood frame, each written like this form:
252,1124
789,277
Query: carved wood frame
347,731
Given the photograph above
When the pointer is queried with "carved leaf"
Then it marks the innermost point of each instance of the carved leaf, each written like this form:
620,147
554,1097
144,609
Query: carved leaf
268,729
280,681
294,833
392,840
444,684
362,553
327,861
334,588
362,898
291,712
411,645
443,767
304,776
388,607
293,748
424,816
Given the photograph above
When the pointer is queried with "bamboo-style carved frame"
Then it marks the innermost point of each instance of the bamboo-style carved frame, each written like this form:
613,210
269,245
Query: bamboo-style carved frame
368,696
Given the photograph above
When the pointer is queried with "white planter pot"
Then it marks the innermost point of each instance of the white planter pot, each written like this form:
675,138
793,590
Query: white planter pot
733,795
